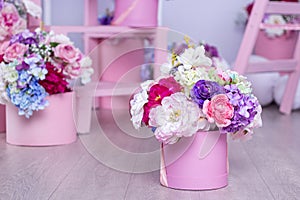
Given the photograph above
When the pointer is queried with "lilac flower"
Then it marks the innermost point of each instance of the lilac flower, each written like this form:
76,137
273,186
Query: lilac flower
205,90
1,4
22,66
245,109
25,37
233,94
29,37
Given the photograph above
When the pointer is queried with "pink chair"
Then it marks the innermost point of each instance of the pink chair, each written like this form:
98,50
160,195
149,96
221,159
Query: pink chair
291,67
93,35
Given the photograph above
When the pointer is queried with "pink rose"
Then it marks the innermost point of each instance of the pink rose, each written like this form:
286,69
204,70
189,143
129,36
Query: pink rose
68,53
15,51
218,110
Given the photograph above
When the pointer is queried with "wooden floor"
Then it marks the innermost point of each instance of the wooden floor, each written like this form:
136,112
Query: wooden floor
266,167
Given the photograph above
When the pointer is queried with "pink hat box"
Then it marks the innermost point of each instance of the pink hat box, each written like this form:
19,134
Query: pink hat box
52,126
195,163
281,47
136,13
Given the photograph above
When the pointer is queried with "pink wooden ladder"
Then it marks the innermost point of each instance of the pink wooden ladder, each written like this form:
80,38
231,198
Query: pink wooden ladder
289,66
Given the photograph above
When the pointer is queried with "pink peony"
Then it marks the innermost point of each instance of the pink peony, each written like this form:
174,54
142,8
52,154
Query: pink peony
10,21
15,51
68,53
218,110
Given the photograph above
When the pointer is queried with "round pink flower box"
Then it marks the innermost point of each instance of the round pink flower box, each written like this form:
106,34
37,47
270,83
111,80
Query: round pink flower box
276,48
52,126
196,163
136,13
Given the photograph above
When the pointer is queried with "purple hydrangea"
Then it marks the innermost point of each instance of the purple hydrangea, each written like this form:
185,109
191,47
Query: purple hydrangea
205,90
245,109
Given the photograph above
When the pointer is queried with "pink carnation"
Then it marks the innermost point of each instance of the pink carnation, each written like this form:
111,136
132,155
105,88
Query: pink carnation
15,51
218,110
68,53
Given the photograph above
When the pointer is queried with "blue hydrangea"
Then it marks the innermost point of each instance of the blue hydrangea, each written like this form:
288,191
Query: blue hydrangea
28,99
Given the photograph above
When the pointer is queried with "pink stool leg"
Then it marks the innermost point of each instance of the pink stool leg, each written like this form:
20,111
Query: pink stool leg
83,113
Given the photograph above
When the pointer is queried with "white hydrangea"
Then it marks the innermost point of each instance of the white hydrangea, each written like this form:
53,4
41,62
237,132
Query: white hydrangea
188,78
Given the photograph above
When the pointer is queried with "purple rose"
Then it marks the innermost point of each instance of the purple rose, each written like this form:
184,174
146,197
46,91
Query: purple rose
205,90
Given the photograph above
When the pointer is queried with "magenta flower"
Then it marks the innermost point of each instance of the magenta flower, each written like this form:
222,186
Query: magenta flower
156,94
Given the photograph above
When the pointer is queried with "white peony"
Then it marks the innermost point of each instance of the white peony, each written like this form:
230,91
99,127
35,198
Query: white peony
146,85
137,108
174,118
194,58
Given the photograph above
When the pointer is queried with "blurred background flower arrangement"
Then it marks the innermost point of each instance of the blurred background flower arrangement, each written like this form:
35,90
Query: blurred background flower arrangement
36,64
270,19
193,94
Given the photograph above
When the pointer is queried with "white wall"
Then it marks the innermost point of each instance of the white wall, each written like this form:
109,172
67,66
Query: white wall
212,21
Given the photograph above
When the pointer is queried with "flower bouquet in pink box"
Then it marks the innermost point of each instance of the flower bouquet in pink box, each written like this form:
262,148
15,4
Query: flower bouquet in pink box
37,69
14,19
190,109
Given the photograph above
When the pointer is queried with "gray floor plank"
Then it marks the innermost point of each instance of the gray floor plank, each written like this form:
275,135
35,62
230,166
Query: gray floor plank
275,153
35,172
91,180
244,182
146,186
